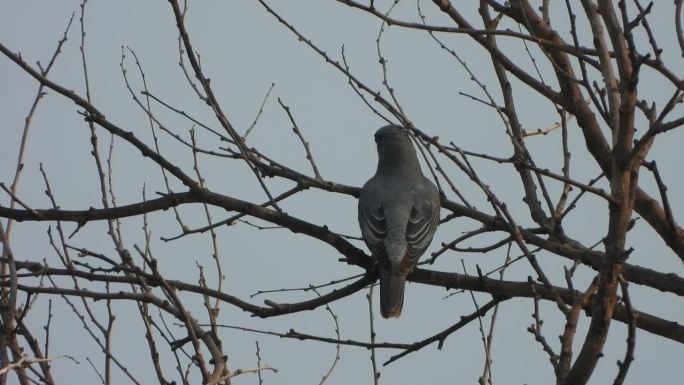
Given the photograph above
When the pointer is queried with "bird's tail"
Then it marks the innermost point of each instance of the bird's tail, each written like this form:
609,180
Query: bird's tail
391,293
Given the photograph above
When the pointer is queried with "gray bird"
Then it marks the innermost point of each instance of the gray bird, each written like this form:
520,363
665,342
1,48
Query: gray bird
398,214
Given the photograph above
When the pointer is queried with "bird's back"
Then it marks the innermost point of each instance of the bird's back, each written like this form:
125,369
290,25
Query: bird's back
398,214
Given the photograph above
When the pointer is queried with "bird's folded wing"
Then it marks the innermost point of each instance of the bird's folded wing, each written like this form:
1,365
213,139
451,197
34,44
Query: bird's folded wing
420,229
373,228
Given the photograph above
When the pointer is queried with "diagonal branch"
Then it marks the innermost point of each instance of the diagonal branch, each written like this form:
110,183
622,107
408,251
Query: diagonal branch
441,336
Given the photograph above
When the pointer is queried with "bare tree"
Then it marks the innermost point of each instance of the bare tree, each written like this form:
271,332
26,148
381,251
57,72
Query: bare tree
593,64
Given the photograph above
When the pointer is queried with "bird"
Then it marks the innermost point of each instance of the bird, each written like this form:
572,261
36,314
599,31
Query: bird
398,214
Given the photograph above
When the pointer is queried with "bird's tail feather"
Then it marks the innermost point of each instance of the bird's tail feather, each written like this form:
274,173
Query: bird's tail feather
391,293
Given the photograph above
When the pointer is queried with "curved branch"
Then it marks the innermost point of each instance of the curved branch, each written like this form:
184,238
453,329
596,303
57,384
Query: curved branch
644,321
498,288
94,115
572,250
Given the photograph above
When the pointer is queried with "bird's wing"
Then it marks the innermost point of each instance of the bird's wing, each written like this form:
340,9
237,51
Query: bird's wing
373,225
421,226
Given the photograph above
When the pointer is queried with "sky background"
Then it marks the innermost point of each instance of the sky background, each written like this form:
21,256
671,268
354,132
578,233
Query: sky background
244,50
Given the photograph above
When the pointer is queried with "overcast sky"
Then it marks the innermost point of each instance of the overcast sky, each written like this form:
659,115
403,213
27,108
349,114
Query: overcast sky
244,50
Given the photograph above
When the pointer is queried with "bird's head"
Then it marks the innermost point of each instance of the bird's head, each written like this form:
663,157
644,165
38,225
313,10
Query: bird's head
395,149
393,138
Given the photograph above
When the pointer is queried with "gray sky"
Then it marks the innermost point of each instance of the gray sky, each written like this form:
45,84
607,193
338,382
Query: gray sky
244,50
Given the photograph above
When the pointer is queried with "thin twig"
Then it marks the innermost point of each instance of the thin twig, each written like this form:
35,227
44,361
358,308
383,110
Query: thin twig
258,356
631,335
27,361
374,366
441,336
298,132
326,376
256,119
